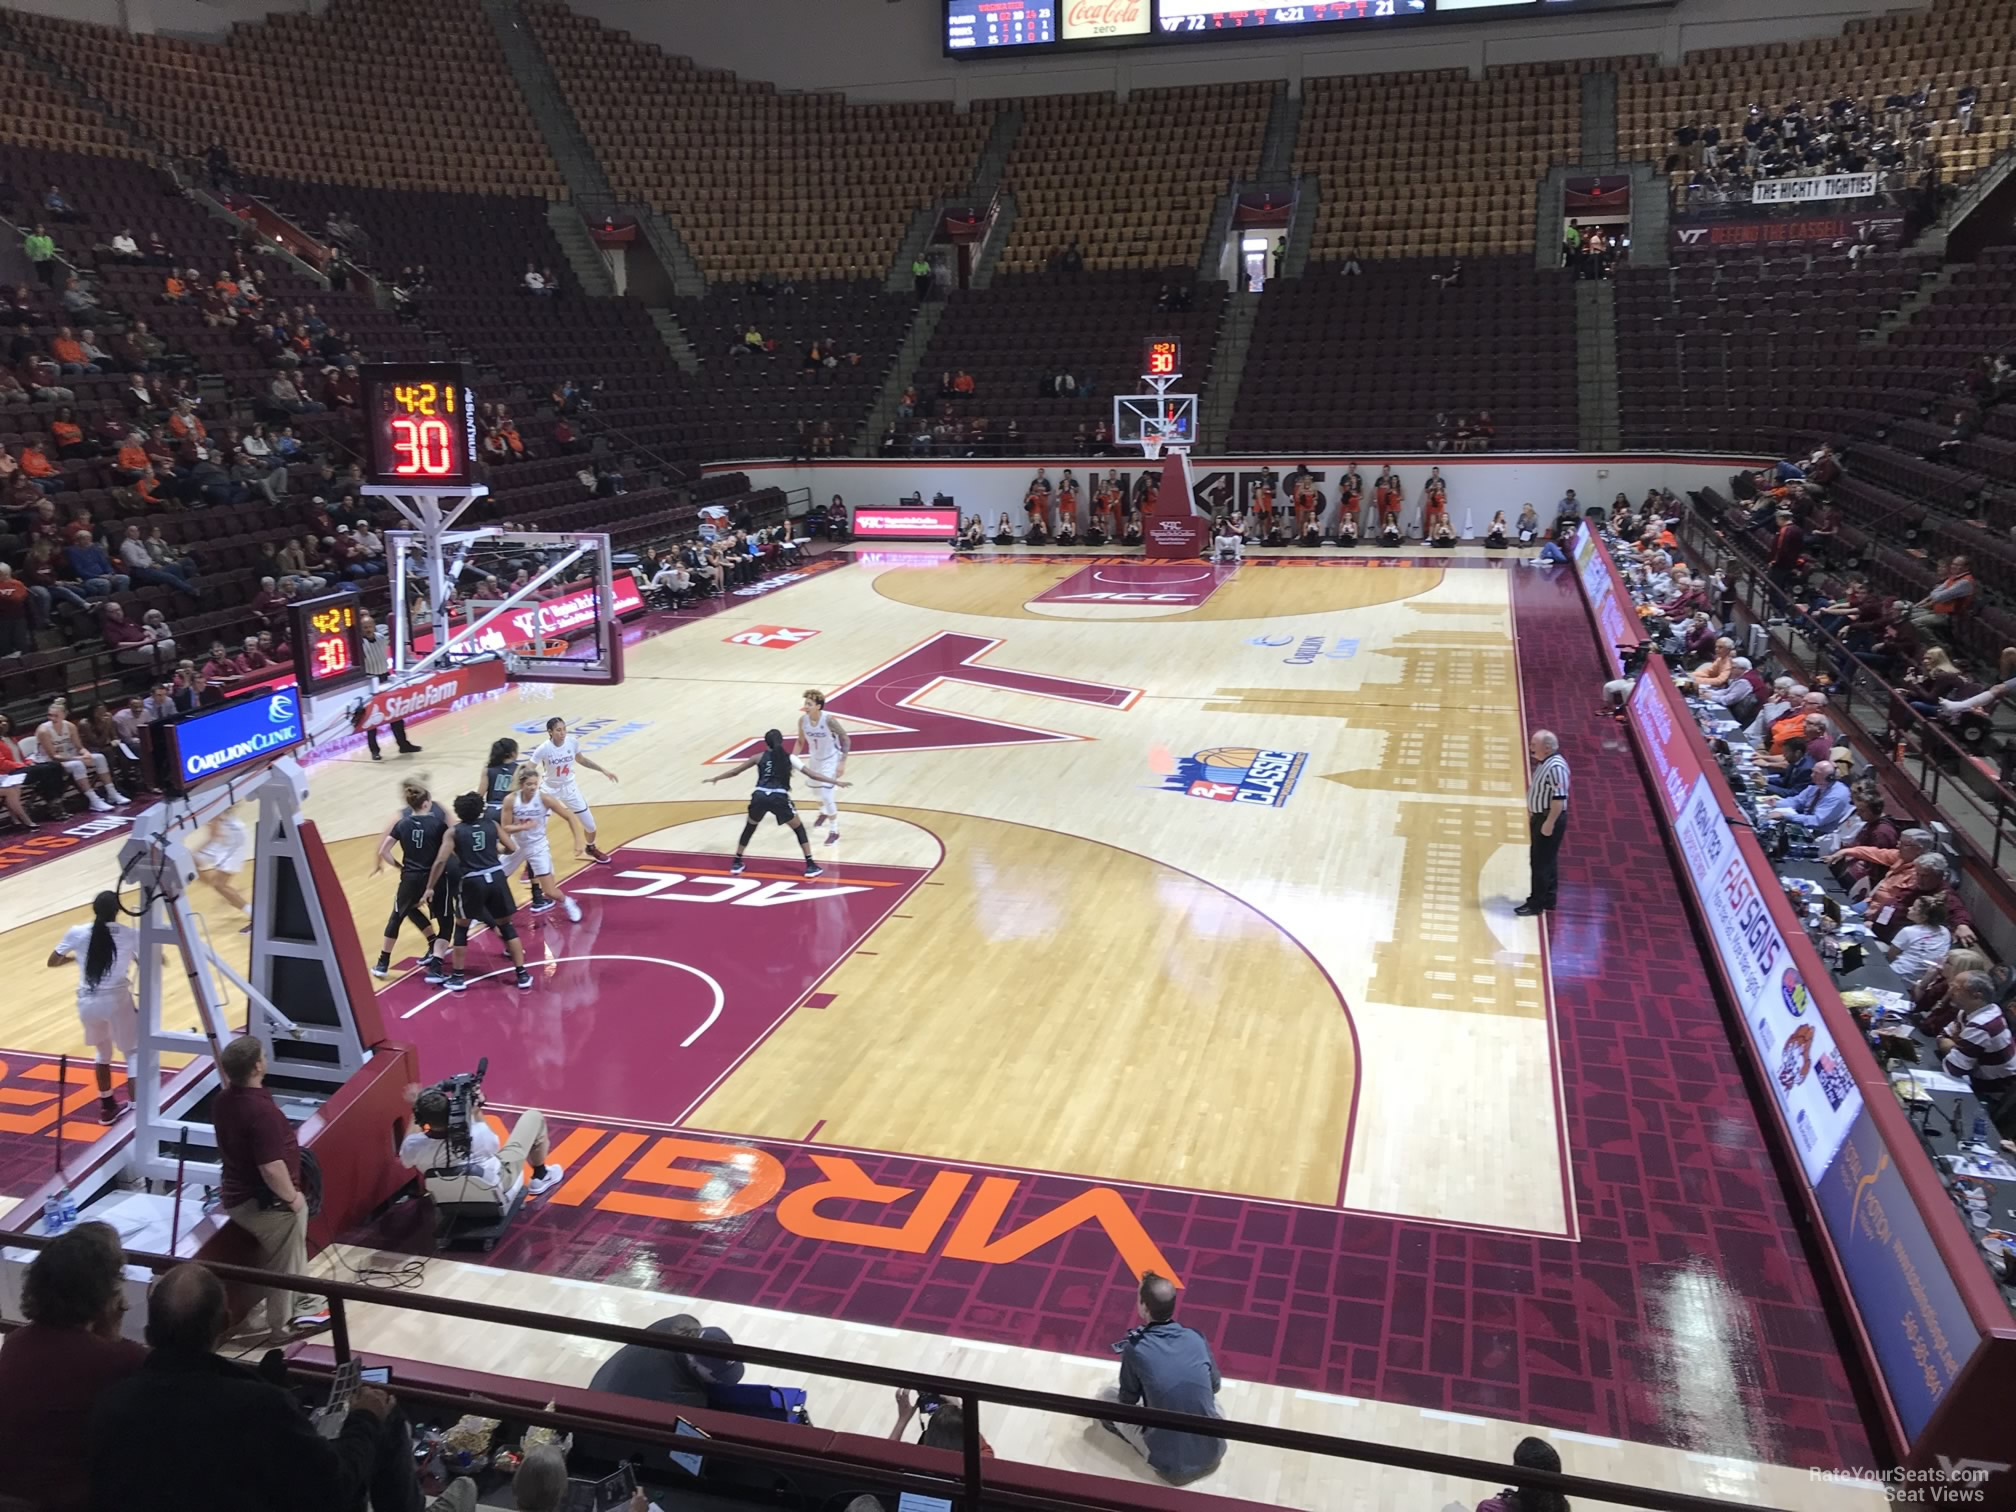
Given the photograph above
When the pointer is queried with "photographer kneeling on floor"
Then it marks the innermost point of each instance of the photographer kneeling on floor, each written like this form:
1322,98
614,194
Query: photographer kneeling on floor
483,1165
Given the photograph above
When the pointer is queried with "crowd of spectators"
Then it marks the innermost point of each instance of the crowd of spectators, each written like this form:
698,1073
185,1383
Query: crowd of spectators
1891,137
1811,784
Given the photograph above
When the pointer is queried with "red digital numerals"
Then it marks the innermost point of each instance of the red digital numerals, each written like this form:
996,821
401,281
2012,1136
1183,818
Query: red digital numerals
422,448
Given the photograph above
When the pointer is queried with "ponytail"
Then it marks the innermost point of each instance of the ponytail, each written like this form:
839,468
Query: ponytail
99,953
774,739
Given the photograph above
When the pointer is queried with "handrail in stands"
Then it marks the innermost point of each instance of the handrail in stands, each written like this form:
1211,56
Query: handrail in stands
1937,747
970,1393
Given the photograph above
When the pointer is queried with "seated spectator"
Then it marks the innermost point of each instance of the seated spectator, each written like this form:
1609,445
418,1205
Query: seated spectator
1974,1042
197,1430
221,668
1953,596
1918,948
1530,1454
57,1367
92,568
1497,533
123,247
142,567
660,1375
535,281
1168,1367
80,303
284,392
1004,531
1528,527
944,1422
1821,804
1926,876
69,353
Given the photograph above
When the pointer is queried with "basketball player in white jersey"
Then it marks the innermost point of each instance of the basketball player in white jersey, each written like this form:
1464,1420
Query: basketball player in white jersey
557,758
522,817
823,743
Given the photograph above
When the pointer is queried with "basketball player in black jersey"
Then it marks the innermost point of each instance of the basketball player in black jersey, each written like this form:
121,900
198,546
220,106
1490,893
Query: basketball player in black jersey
500,775
417,832
773,796
480,848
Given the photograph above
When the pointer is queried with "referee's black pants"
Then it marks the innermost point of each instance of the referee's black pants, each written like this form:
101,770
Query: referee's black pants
1546,856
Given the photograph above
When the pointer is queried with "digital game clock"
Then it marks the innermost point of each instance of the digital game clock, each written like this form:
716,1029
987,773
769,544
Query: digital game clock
1162,359
419,426
329,642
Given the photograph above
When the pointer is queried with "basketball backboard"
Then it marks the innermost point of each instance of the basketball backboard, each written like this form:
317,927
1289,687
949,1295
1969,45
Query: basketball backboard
543,603
1176,415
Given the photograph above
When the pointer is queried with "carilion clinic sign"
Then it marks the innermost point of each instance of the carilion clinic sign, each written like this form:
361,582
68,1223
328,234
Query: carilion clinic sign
237,734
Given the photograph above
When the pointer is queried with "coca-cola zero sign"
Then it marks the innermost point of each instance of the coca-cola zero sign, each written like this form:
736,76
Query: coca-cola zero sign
1084,19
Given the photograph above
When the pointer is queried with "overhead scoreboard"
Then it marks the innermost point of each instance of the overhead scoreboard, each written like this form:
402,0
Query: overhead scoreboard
419,426
997,28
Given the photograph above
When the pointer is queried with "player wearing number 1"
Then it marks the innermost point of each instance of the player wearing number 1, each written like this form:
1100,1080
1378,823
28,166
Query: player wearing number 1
557,757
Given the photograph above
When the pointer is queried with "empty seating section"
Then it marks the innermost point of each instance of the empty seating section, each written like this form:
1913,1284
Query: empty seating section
1027,326
1366,362
1436,164
1132,181
382,91
43,113
802,185
1750,353
752,403
1942,48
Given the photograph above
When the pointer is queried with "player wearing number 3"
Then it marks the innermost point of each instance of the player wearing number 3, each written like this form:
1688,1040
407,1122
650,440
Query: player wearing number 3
557,758
823,744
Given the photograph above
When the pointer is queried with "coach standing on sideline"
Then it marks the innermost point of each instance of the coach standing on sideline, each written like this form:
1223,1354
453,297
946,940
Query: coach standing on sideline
1546,819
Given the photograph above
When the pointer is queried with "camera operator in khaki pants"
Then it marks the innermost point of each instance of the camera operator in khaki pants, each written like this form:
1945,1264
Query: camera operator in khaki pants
490,1168
261,1188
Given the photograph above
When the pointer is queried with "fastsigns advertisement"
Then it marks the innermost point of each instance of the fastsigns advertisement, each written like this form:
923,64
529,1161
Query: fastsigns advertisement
1808,1075
567,614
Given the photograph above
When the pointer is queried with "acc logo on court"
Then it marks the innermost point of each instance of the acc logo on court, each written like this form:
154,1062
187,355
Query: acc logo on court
775,637
1237,774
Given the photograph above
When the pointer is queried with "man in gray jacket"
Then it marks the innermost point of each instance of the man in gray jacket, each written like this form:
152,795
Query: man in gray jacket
1168,1367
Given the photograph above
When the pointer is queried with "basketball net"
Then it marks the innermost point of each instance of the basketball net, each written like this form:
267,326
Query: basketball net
1157,436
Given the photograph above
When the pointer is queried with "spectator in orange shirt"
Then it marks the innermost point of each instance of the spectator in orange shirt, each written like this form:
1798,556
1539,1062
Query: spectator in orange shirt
131,462
67,435
963,382
69,354
173,289
185,424
38,467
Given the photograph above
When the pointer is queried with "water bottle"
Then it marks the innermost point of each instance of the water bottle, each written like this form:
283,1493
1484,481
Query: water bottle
52,1214
69,1207
1978,1136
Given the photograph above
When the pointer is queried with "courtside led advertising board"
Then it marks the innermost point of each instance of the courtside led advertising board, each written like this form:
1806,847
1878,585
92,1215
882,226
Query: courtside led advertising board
906,524
235,735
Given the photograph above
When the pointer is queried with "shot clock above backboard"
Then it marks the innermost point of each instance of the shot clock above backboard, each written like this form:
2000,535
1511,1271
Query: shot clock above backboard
420,426
1161,357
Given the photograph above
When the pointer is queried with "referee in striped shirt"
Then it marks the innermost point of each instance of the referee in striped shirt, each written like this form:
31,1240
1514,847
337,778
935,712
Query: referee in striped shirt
376,644
1546,819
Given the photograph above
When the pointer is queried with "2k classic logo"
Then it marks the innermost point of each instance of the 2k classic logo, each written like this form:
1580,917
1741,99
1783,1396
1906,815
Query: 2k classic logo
774,637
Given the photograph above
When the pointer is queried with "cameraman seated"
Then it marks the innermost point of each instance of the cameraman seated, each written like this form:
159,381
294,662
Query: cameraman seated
1228,545
491,1171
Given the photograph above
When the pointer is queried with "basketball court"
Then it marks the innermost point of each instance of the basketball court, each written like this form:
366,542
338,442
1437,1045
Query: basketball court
1170,927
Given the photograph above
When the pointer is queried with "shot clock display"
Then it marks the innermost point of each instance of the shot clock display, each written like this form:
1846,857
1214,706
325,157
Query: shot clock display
330,641
1161,358
420,426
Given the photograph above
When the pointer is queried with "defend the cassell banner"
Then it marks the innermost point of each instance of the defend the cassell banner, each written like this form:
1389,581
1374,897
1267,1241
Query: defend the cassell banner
1792,191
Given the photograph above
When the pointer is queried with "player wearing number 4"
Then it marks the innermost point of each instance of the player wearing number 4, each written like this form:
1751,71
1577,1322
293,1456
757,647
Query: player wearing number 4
823,744
558,757
774,767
